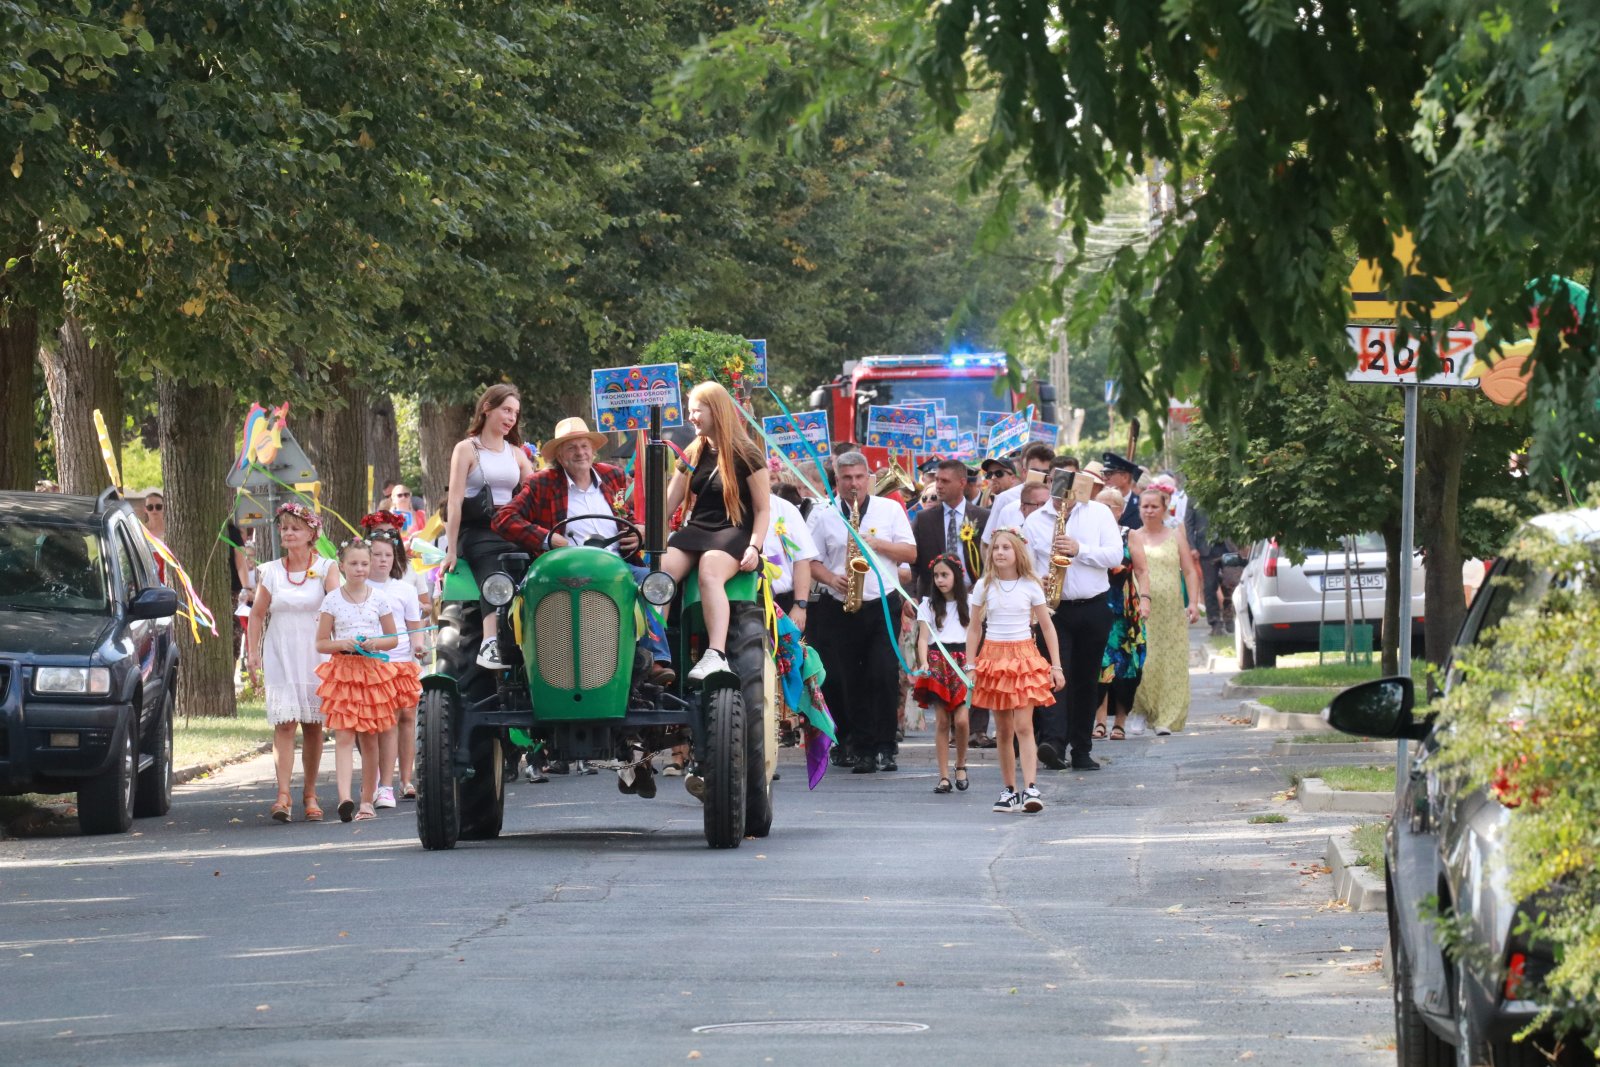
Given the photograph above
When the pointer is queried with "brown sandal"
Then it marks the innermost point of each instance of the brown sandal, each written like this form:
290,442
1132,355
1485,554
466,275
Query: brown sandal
313,809
280,810
1118,734
1099,733
366,813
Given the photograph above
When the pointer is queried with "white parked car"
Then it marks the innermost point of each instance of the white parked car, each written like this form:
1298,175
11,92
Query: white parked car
1281,606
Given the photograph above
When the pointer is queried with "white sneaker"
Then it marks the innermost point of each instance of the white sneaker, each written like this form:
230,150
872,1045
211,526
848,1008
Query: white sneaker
1032,802
1162,731
489,655
713,662
1135,725
385,797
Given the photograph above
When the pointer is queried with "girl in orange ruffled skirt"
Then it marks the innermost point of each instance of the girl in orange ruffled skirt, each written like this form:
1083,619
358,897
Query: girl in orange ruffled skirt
1009,674
399,743
359,692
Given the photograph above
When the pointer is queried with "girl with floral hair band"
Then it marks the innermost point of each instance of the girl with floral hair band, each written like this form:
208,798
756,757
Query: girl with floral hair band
944,614
282,645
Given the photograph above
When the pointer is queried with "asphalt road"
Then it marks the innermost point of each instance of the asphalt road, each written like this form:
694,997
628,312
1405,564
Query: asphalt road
1138,920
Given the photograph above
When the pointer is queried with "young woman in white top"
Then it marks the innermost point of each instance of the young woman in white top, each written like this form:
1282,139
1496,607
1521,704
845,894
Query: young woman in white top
389,567
282,644
1010,674
490,455
944,614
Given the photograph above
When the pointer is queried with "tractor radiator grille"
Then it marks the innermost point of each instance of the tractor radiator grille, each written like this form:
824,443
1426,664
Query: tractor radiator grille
552,637
597,643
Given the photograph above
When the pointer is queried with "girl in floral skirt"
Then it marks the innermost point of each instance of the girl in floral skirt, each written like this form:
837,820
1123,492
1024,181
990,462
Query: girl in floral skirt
359,692
1011,677
944,614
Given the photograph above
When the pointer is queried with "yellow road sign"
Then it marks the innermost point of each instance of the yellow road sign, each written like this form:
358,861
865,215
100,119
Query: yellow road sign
1373,301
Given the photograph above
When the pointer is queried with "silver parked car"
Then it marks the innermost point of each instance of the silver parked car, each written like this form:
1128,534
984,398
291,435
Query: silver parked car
1281,606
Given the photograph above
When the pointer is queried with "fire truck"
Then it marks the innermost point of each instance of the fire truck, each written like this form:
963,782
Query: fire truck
967,382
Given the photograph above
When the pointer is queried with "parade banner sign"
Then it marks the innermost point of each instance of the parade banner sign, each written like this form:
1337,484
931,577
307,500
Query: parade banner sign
949,426
899,429
756,375
1010,433
986,421
1047,432
962,446
788,436
623,396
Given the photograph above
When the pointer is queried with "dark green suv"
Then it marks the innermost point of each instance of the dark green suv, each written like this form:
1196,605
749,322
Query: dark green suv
88,658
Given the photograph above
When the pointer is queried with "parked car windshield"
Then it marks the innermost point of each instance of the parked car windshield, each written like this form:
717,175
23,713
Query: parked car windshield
56,568
1366,542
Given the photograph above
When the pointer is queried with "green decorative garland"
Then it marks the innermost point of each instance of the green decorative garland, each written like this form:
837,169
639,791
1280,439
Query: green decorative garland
704,356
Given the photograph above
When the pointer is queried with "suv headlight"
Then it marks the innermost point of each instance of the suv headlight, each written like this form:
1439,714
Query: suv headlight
81,681
658,588
498,589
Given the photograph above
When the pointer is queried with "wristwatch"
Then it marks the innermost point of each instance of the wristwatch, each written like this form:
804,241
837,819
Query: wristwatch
802,603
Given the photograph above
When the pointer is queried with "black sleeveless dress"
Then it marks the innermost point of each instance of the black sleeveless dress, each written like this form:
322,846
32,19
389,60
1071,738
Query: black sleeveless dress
708,526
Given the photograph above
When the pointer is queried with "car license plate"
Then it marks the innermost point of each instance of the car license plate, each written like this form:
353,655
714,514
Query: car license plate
1362,581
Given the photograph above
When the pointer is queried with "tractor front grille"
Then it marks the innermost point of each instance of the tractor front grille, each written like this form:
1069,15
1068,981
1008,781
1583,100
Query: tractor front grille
597,642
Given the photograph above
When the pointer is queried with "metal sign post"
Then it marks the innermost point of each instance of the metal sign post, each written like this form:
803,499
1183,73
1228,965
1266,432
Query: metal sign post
1408,509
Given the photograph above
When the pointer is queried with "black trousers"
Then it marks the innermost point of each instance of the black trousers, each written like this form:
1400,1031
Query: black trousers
863,683
481,548
1082,628
1211,574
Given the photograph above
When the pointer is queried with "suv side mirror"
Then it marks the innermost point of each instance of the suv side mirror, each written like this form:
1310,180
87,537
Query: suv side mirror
155,603
1380,708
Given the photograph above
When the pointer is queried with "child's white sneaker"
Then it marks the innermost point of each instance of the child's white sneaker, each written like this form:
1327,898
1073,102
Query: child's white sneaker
1009,803
1032,802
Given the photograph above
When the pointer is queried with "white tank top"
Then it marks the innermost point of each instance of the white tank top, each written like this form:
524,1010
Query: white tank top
499,469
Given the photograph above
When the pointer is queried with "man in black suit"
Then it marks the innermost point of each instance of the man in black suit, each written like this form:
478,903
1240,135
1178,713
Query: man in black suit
938,527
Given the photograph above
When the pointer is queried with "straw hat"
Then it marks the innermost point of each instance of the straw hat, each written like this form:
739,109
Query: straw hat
569,430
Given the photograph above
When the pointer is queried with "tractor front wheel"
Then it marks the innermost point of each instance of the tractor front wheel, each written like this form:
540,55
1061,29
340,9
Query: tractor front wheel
483,796
724,768
438,792
747,654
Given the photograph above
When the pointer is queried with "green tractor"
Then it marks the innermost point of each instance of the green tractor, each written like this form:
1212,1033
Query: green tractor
573,681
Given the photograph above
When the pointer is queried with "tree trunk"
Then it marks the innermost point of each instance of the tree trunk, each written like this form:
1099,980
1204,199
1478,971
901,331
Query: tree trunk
335,440
383,444
1441,447
19,347
1390,657
195,456
439,426
81,378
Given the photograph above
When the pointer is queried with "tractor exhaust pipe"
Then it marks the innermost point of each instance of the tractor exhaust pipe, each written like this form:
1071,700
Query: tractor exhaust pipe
655,493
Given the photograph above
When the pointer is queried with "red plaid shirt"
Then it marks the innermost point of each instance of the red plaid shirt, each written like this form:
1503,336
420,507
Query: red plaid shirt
542,502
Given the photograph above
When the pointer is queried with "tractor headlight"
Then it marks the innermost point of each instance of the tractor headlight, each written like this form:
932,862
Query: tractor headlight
498,589
658,588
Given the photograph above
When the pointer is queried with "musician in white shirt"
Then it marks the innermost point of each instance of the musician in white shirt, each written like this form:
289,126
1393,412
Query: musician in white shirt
1082,620
1006,508
862,686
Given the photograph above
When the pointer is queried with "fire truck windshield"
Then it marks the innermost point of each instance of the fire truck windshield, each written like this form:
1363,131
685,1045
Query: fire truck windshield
963,397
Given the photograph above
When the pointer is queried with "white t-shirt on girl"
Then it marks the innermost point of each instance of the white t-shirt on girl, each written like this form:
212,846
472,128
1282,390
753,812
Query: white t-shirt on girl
1008,606
358,620
951,632
407,615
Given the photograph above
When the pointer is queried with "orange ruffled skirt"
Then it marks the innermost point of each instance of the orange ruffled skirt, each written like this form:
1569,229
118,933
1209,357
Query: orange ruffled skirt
358,693
1011,674
409,680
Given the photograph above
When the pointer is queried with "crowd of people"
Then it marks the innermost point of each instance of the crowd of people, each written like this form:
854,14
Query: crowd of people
950,614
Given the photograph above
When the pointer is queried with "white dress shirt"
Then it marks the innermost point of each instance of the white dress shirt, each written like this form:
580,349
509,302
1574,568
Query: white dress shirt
881,518
1004,510
590,501
796,530
1099,547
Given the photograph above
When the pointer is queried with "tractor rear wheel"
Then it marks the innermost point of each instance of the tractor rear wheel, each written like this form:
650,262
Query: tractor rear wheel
724,768
438,792
747,654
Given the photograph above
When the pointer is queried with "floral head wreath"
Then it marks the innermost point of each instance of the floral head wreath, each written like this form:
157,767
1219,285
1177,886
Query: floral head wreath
301,512
947,558
355,542
377,519
1014,531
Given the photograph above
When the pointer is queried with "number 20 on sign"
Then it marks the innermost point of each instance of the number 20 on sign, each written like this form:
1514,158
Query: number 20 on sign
1380,360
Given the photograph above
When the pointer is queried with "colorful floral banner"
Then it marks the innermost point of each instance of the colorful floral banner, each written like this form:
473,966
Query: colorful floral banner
1047,432
623,396
986,421
790,434
1010,433
899,429
756,376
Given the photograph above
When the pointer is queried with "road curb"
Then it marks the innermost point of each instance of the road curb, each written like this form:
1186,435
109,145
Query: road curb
1264,718
1231,691
1315,795
1290,747
1355,885
200,770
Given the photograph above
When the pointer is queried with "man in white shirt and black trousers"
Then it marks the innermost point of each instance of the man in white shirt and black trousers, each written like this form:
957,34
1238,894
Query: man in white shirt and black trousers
1082,621
863,682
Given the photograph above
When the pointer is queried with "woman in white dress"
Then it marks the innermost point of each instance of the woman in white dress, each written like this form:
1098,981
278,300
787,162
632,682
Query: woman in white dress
283,645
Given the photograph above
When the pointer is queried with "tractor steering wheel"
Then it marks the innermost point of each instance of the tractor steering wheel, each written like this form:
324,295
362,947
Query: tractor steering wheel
603,542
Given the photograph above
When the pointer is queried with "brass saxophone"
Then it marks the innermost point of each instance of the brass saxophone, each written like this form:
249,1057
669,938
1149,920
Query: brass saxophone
855,565
1056,580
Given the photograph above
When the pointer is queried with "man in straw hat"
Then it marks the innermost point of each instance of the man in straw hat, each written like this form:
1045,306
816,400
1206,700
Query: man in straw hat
573,483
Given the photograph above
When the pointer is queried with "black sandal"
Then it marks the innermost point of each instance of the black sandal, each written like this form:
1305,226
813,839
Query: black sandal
961,782
943,786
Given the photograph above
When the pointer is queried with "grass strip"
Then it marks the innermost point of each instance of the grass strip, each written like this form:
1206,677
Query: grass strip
1336,675
198,740
1299,703
1367,840
1257,820
1351,779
